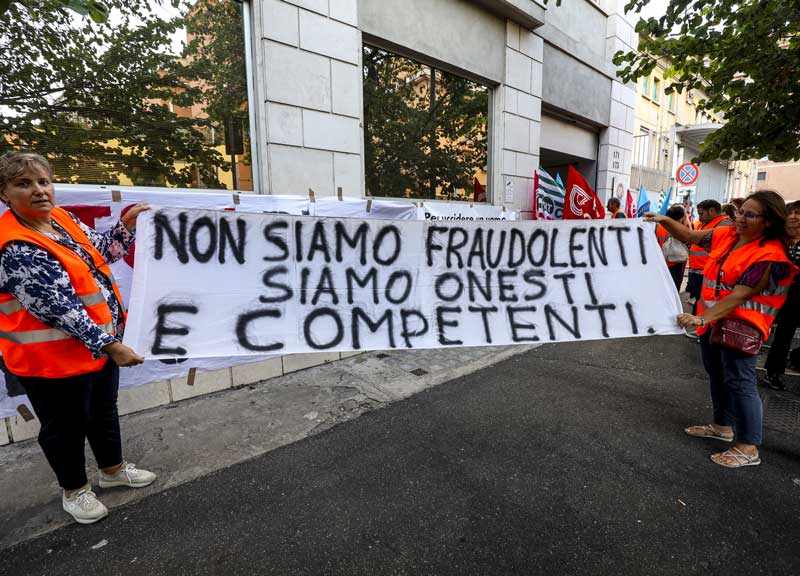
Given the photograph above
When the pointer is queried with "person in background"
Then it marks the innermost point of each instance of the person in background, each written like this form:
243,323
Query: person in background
709,216
677,213
687,205
61,323
746,278
788,319
614,207
730,211
737,202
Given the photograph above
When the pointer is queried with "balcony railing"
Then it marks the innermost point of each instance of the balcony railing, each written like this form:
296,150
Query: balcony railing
652,179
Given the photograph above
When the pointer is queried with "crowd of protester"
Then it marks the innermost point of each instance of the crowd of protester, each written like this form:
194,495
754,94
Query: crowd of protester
62,318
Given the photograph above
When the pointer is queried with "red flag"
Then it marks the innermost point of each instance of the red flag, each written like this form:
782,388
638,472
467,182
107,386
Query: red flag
478,191
630,207
535,204
580,200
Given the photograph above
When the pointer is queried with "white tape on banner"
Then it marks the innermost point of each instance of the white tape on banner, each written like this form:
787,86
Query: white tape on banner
283,284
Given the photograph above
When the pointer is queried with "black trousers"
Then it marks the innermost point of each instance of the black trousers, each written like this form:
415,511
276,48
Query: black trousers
72,410
788,320
676,271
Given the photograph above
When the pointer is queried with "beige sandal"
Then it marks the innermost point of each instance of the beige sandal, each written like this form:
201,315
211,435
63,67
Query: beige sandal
708,431
739,458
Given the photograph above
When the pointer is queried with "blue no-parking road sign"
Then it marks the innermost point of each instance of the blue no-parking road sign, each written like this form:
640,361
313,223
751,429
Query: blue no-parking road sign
687,173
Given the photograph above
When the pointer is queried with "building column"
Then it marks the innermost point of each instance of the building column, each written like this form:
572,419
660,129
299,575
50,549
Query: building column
309,97
516,121
615,154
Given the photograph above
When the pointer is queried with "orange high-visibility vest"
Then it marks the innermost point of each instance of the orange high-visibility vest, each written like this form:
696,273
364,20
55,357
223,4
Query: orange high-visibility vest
760,311
697,255
618,211
32,348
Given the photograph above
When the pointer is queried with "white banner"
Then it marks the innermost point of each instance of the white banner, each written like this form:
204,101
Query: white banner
101,208
210,283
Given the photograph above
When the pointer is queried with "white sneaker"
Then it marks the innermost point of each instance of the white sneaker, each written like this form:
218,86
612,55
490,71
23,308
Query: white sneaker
84,506
129,475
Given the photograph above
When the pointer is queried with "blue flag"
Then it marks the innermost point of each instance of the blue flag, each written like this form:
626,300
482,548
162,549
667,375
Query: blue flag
643,203
665,202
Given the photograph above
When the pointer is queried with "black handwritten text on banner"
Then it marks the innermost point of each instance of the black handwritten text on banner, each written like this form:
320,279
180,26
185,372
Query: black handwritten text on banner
209,283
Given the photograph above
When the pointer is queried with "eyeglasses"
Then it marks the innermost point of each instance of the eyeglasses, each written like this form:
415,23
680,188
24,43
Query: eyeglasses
749,215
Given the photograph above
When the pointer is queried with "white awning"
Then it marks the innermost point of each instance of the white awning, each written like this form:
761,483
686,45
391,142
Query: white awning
694,136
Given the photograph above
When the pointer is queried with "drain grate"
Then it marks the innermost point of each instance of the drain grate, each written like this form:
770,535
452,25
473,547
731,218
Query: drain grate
781,413
419,372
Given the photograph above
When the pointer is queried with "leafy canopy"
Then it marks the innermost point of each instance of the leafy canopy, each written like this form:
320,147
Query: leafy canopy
95,9
106,99
743,55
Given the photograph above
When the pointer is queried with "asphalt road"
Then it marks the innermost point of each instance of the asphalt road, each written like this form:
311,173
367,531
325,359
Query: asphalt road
569,459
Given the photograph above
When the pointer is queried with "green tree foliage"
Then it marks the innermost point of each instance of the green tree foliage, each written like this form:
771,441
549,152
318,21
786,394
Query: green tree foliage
96,10
423,131
103,99
744,55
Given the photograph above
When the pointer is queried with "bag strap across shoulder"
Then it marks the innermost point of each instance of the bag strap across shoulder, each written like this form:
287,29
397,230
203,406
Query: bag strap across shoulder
719,272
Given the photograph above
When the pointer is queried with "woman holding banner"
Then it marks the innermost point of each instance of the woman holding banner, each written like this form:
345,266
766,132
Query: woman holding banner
61,320
745,282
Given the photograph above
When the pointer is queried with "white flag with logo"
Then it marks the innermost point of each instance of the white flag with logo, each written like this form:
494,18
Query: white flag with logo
549,197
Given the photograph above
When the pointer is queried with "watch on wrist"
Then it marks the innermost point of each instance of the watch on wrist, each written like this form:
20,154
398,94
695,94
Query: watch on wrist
702,321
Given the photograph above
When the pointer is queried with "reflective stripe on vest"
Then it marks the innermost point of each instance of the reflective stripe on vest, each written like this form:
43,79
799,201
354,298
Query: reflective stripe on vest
763,308
13,306
705,304
713,285
48,335
777,291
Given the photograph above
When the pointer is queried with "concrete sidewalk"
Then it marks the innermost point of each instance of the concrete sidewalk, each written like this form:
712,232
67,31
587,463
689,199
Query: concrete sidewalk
192,438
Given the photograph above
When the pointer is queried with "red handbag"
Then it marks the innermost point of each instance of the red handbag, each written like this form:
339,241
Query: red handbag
738,335
734,333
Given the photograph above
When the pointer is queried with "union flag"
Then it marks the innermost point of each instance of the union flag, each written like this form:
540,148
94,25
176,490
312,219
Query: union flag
580,201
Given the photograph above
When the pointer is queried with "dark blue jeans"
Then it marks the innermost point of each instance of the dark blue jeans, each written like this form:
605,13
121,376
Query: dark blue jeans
71,411
732,377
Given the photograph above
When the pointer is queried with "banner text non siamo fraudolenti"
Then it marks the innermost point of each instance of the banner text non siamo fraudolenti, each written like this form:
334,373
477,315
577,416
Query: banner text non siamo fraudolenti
210,283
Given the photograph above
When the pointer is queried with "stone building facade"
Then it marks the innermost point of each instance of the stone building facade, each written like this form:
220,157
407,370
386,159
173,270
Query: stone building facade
554,97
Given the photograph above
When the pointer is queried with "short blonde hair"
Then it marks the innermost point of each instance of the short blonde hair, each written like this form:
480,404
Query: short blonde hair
14,163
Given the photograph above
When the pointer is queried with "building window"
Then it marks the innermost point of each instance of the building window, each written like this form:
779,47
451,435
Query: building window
644,146
671,102
656,90
762,177
646,86
143,99
425,130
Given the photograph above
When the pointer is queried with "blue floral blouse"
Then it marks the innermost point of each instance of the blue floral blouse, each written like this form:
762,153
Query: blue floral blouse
41,284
